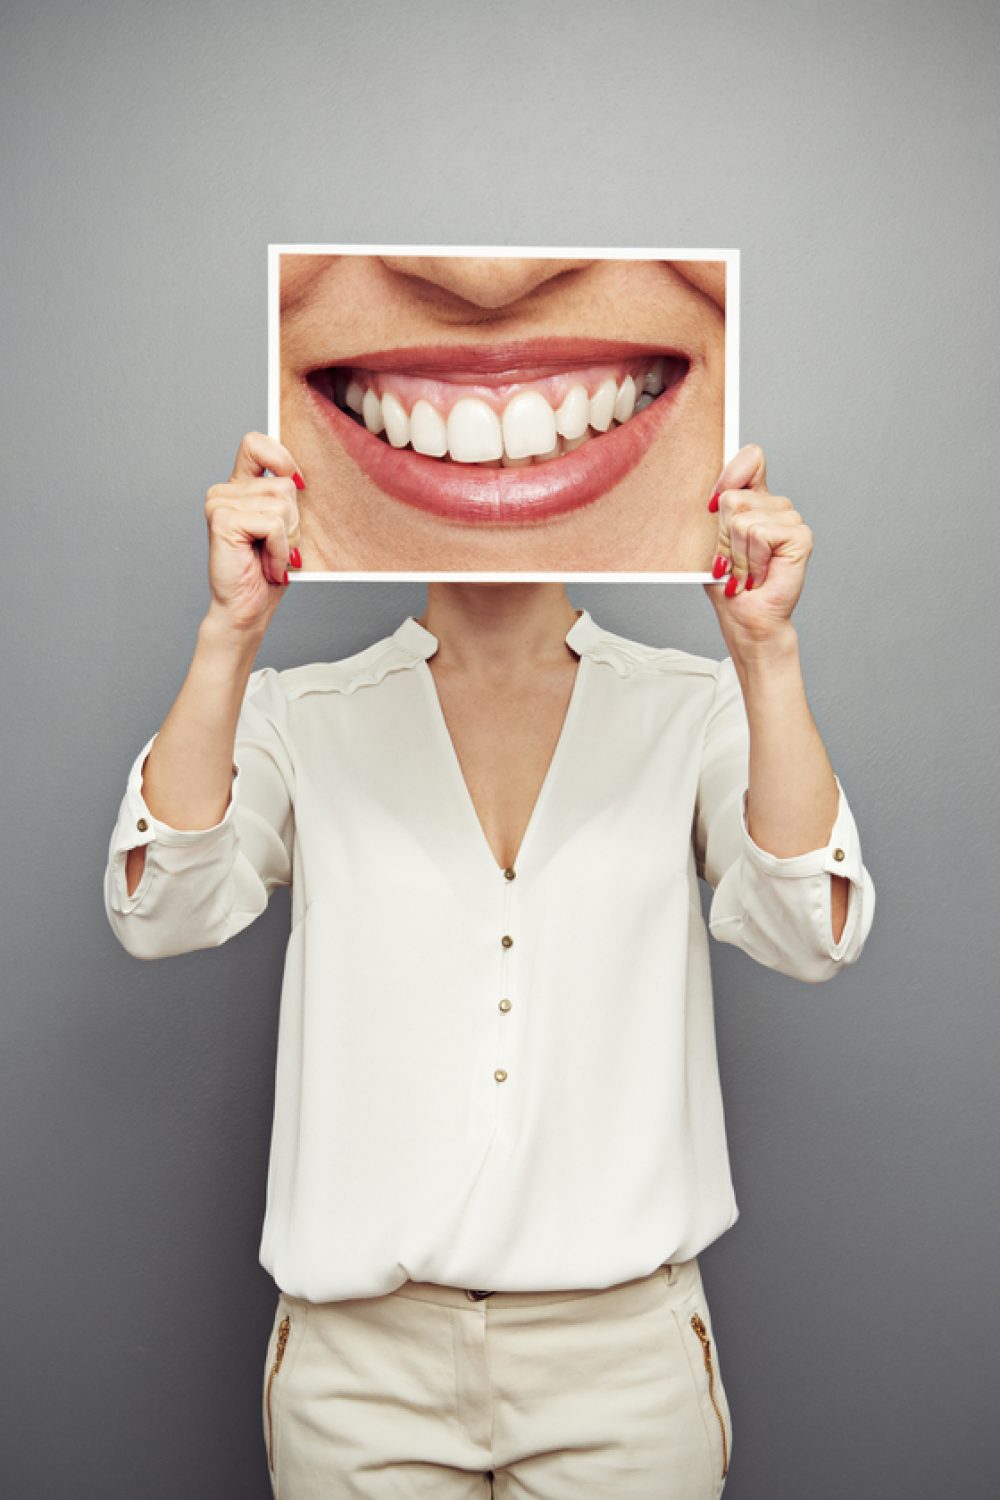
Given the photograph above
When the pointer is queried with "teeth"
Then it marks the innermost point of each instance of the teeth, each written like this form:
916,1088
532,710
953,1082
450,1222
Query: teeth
428,432
474,434
371,410
541,458
529,431
625,400
529,425
602,405
397,420
573,416
653,383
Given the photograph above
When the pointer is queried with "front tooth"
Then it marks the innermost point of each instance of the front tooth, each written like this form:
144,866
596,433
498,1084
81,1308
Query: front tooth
573,416
354,396
541,458
474,433
428,432
653,383
602,405
625,400
397,421
569,444
371,410
529,425
515,463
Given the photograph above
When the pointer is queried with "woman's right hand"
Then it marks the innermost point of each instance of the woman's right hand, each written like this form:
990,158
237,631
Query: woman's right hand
253,523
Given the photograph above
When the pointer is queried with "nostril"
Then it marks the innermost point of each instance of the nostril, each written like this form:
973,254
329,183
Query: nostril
488,283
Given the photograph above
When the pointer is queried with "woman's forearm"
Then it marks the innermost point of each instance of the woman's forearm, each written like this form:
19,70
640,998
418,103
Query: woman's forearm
792,797
188,773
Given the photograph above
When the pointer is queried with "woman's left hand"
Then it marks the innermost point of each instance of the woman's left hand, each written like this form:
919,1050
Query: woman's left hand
762,551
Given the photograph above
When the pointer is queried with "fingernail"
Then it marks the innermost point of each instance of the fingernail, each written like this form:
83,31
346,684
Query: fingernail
749,583
295,558
731,586
713,504
298,481
719,566
285,577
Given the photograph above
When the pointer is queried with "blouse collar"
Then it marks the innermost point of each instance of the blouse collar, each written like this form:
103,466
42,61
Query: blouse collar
420,642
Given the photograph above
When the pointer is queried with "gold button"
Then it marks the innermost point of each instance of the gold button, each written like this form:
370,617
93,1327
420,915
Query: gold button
510,874
839,854
507,941
505,1006
500,1074
142,825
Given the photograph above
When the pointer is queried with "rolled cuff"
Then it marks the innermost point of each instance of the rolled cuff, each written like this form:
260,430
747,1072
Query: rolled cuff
840,855
137,827
779,910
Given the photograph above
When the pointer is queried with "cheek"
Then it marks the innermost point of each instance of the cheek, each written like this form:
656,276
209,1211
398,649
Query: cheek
707,277
687,457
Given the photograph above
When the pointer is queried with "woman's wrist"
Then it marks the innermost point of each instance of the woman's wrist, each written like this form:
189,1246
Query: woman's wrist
765,657
233,645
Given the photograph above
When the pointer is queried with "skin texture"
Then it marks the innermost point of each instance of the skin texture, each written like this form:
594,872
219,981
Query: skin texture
333,307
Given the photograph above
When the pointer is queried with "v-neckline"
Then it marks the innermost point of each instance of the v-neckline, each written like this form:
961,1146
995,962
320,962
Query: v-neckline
455,765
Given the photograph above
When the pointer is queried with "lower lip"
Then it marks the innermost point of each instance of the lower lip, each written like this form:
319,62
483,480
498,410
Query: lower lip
499,497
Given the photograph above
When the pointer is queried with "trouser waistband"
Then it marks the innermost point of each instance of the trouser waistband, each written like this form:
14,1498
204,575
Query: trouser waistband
427,1291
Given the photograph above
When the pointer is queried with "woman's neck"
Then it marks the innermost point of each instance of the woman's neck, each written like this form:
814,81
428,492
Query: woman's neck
491,626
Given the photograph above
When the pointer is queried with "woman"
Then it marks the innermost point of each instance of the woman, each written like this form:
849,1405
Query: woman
498,1142
503,414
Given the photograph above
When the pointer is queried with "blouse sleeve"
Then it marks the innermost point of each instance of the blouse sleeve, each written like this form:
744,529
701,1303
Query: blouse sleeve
201,886
777,910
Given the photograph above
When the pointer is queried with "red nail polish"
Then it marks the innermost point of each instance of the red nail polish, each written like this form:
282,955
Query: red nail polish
719,567
731,586
295,558
713,504
298,481
285,577
749,583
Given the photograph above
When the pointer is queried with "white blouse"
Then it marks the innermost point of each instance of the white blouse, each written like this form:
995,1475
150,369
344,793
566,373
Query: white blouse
491,1078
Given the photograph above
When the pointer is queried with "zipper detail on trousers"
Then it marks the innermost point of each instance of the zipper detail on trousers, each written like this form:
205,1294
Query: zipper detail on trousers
706,1348
279,1354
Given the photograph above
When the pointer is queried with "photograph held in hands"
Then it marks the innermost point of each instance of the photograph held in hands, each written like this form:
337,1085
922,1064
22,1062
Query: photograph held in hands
491,412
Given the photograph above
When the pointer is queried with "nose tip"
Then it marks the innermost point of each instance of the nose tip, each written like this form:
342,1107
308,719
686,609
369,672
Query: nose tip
489,282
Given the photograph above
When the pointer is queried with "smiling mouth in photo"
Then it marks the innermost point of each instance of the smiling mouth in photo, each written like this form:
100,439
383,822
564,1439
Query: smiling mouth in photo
505,435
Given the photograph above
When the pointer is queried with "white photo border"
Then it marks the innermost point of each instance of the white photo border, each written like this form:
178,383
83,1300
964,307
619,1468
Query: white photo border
730,419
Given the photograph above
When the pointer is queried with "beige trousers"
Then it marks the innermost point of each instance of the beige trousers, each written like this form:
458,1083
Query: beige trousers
425,1392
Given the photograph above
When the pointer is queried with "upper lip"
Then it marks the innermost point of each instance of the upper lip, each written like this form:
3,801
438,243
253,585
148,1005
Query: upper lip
517,359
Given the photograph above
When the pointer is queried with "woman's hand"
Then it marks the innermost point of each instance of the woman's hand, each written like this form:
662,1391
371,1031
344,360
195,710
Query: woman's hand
253,522
764,546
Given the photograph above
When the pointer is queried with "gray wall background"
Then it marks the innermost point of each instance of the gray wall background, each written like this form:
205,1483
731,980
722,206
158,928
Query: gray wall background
150,154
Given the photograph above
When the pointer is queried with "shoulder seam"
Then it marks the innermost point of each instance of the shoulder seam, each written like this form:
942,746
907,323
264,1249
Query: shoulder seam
627,657
365,668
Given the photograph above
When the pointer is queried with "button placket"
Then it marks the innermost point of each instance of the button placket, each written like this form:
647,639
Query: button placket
501,1071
